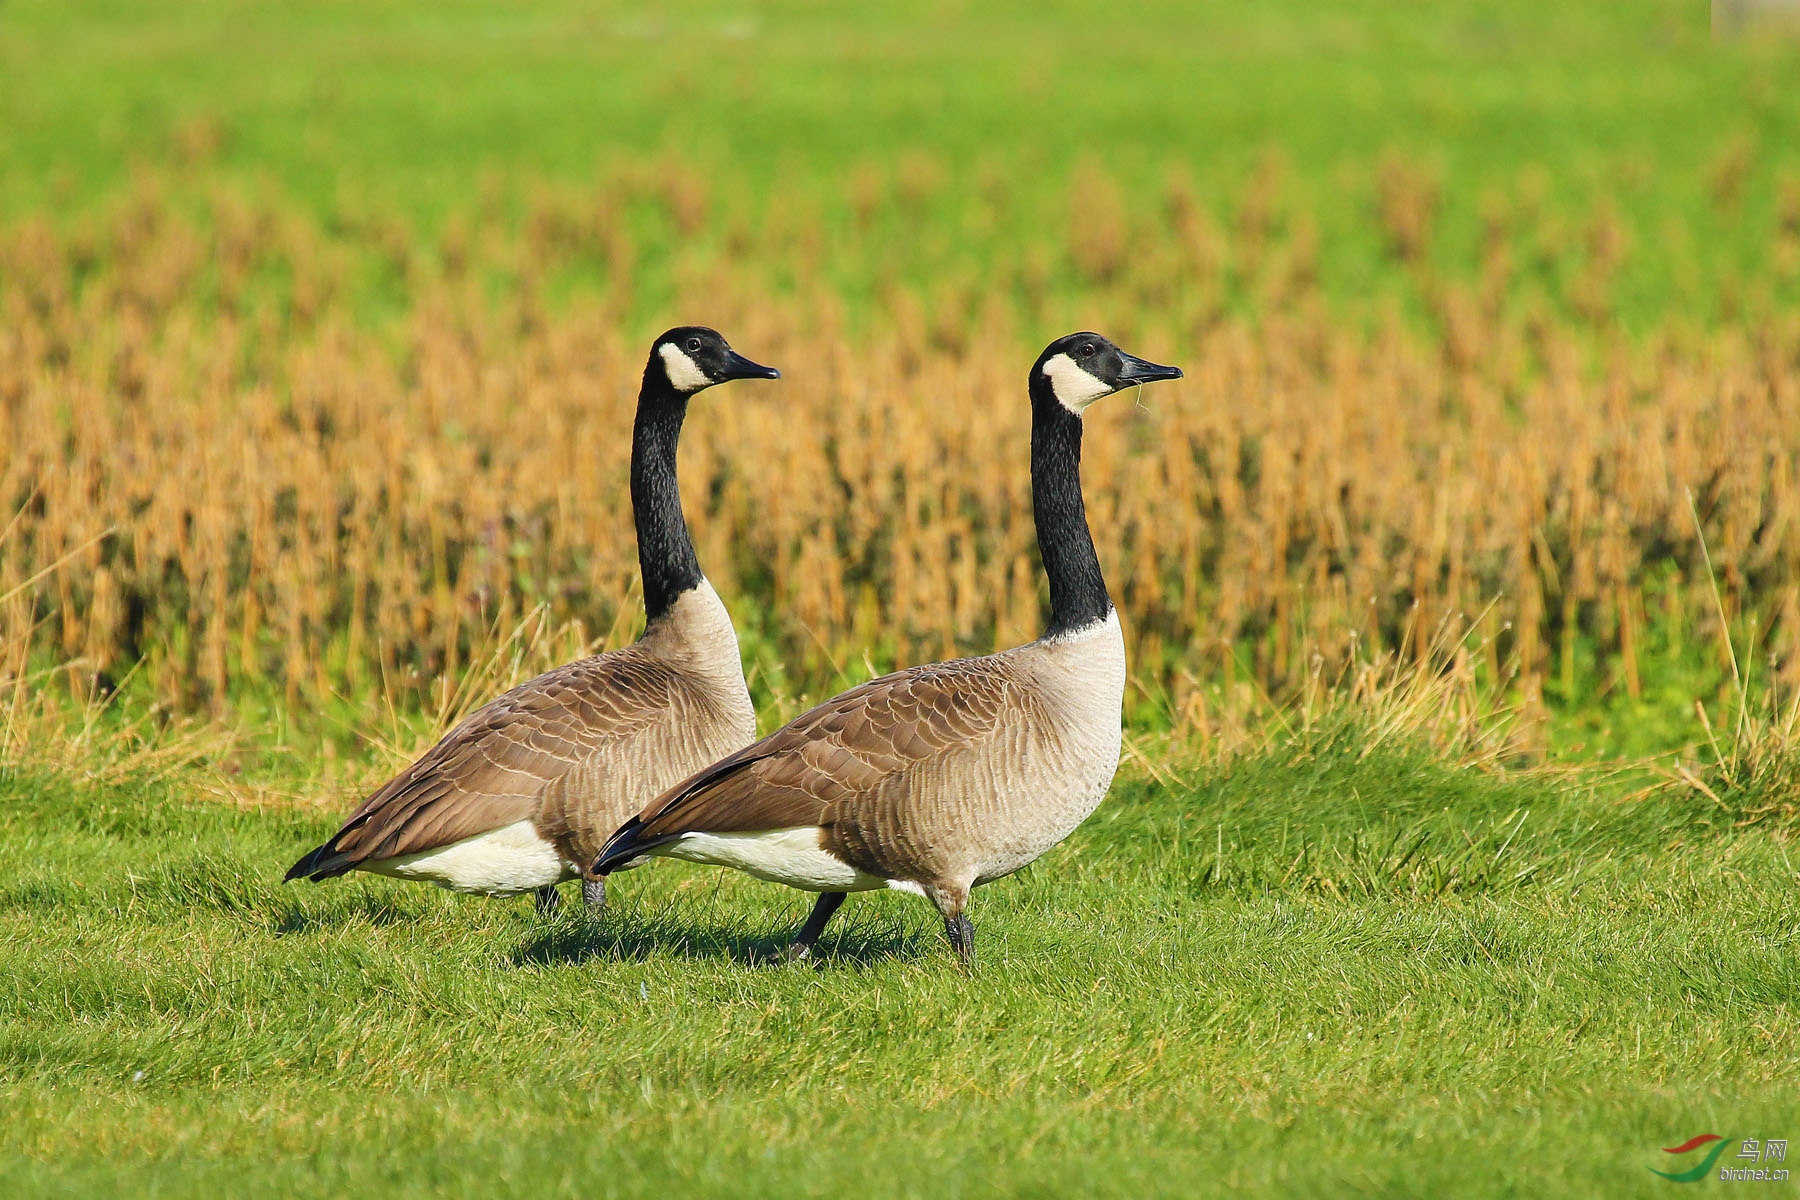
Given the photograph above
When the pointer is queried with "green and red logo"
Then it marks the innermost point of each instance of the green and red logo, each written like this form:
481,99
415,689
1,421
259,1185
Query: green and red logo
1705,1165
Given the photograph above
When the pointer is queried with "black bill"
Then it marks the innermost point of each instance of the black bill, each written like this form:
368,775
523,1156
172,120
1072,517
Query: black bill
1136,370
739,367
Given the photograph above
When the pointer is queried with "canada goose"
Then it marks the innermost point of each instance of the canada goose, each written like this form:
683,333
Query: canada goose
522,793
942,777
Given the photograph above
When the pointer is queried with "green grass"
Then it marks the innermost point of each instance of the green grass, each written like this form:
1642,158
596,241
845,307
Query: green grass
1545,113
1335,968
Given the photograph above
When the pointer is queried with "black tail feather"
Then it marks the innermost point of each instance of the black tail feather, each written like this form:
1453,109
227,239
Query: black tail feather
623,848
323,863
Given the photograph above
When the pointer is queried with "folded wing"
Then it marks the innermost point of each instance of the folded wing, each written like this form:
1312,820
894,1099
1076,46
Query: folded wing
831,763
492,769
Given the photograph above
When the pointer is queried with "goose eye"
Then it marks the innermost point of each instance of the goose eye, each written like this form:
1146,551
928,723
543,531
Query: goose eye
693,343
1087,351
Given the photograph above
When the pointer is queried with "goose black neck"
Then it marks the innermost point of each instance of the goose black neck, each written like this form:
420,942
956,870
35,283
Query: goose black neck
665,552
1077,591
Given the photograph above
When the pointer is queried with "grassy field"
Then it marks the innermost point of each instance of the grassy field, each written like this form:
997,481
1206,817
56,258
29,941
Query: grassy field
1453,851
974,114
1339,968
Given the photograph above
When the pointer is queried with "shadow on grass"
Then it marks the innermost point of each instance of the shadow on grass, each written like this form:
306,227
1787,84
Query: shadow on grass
295,918
630,938
37,895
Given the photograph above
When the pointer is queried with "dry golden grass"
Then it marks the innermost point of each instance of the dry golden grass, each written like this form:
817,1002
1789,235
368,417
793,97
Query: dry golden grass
220,477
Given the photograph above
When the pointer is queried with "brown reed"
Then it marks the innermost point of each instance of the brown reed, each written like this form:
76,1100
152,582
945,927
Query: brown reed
217,475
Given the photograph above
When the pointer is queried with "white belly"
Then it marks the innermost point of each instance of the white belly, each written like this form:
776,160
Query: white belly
503,862
790,856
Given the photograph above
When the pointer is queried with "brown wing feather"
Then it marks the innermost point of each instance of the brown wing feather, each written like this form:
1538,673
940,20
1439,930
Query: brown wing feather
492,769
849,747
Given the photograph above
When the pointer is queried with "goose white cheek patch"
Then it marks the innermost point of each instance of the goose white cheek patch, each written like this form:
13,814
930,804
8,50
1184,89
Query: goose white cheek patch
1075,389
682,370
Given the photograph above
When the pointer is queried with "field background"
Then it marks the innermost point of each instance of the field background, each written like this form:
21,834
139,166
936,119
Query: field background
1461,577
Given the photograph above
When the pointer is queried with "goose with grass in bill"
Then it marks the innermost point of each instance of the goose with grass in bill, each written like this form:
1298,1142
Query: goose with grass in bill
521,794
940,778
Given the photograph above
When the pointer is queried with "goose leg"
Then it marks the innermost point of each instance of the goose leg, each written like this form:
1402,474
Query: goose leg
593,894
815,924
961,932
548,901
953,902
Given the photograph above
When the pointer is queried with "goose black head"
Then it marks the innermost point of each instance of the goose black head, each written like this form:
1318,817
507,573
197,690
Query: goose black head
694,358
1081,368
